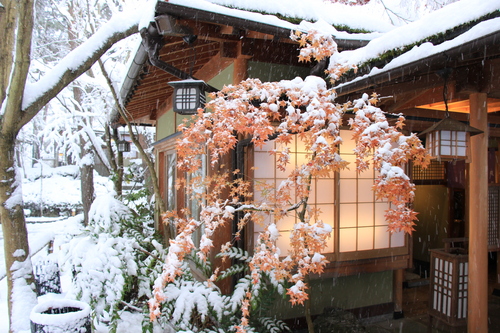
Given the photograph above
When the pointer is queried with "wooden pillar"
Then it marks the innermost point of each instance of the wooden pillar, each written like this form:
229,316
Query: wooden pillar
498,271
240,70
397,294
478,217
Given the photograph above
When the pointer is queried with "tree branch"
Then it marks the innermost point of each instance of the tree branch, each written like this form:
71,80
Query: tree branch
15,56
170,230
74,65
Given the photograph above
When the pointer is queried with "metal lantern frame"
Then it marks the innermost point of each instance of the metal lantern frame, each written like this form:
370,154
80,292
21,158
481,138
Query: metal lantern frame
189,96
123,146
448,139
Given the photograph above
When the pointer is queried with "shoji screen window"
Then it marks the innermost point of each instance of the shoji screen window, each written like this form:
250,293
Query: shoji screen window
361,221
321,196
346,201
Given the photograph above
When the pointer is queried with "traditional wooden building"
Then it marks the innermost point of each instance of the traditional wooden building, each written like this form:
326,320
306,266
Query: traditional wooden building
451,70
222,45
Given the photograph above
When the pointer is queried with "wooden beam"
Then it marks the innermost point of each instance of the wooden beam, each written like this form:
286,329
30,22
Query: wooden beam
346,268
229,50
397,294
212,68
478,217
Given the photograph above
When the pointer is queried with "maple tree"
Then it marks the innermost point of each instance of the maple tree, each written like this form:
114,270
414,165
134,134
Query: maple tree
279,111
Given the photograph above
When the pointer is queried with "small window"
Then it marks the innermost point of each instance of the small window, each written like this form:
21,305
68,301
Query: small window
170,174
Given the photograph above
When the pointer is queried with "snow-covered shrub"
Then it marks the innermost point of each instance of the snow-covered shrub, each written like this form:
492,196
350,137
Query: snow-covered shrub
101,267
193,303
114,261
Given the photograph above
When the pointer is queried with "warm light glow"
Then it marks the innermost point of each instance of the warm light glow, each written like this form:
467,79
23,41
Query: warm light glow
448,139
186,98
353,210
447,144
461,106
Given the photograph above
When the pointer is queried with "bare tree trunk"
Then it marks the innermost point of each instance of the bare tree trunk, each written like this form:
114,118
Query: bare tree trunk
86,168
87,184
16,25
307,306
116,161
16,249
160,204
119,166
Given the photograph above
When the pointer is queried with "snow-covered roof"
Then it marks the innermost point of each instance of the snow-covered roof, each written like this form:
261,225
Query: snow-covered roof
276,17
370,17
450,27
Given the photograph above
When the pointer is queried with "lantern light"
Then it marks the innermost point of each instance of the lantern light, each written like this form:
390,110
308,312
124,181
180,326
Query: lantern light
123,146
189,95
448,139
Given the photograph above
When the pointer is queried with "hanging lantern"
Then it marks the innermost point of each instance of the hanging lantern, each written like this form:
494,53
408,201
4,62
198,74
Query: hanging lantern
189,95
448,139
123,146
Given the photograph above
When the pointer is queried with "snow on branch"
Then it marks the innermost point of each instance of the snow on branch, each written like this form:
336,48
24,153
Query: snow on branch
78,61
97,144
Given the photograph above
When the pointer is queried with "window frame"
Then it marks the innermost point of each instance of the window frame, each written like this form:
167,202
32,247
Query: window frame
336,254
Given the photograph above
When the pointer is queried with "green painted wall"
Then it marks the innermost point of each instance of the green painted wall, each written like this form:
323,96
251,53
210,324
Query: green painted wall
431,203
349,292
268,72
167,124
224,77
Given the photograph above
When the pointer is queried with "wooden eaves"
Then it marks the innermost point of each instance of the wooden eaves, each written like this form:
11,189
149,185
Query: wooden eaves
220,36
405,87
477,50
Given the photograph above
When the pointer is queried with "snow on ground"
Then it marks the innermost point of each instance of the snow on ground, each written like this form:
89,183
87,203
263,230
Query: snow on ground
59,187
39,235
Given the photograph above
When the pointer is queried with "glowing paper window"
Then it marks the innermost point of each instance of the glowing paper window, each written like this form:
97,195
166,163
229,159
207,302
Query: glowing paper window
345,199
322,194
362,224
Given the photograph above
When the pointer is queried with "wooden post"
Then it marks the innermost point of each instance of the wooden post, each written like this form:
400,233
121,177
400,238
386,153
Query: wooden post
498,271
397,294
240,71
478,223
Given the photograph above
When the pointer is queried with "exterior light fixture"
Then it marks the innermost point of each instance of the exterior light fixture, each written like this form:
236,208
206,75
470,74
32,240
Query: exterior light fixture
448,139
123,146
189,95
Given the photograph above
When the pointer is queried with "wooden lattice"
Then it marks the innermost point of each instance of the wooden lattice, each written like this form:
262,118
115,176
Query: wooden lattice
449,280
494,218
435,173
